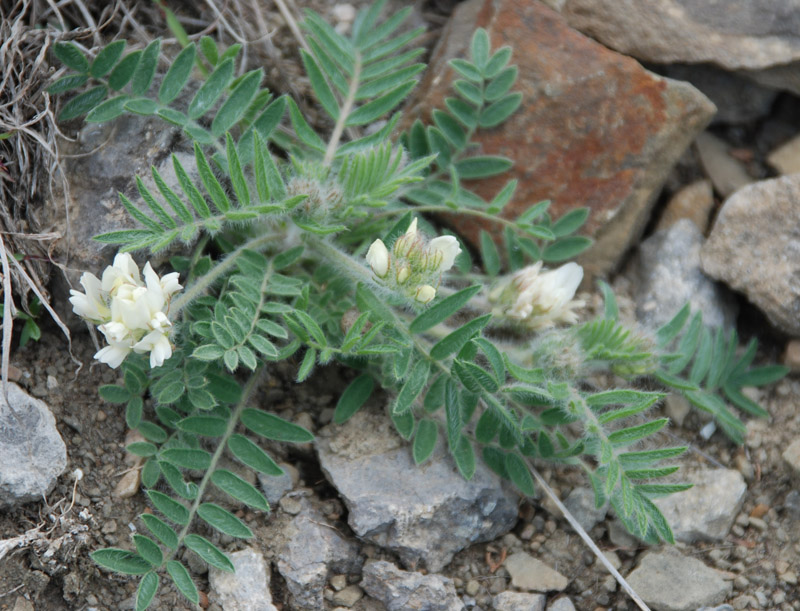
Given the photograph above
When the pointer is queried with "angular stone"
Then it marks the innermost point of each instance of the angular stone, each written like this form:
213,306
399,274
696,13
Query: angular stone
595,128
314,551
669,581
580,504
518,601
735,34
529,573
248,588
694,202
792,456
32,453
669,276
402,590
561,604
706,511
727,174
786,158
423,513
754,248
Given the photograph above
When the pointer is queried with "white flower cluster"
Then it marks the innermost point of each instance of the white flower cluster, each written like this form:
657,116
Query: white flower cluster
131,314
414,264
539,299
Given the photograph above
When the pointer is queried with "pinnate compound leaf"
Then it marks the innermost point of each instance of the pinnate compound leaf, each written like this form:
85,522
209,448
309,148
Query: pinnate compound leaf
253,456
239,489
378,107
353,397
274,428
183,581
121,561
172,509
425,440
224,521
148,587
208,552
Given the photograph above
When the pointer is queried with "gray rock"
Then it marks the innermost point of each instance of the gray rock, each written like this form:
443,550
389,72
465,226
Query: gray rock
792,504
314,550
786,158
669,581
706,511
580,503
792,456
669,275
275,487
405,591
561,604
754,248
620,537
719,608
32,453
727,174
519,601
425,513
248,588
734,34
529,573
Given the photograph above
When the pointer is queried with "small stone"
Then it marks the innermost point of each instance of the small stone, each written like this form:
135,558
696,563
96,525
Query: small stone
291,505
128,485
792,504
727,174
561,604
100,416
741,583
620,536
529,573
472,587
693,202
789,577
52,383
519,601
676,408
758,524
338,582
792,455
786,158
403,590
581,504
659,574
707,510
275,487
348,596
248,588
791,355
23,604
109,527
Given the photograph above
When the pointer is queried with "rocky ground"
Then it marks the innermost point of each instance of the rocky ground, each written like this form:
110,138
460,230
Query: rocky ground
693,184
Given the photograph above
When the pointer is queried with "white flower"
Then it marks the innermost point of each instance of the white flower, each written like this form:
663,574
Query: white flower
447,248
425,293
378,258
131,313
540,299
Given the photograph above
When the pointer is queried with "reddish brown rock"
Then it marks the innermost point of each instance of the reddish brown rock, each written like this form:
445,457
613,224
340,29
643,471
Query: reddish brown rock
594,129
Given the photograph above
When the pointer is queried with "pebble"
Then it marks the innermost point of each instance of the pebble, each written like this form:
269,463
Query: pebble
519,601
786,158
291,505
403,590
128,485
792,455
694,202
529,573
727,174
348,596
791,355
561,604
248,589
472,587
581,504
338,582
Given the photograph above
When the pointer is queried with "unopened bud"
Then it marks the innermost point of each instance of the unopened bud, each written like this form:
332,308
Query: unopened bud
378,258
425,293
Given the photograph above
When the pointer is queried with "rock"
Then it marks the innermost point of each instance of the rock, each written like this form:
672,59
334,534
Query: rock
348,596
561,604
735,34
792,504
669,581
676,408
32,452
404,591
738,98
248,588
421,513
694,202
313,552
529,573
580,504
792,455
275,487
669,275
727,174
595,129
786,158
519,601
620,537
791,355
754,248
706,511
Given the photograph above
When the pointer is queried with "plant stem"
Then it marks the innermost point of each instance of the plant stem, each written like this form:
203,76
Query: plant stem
344,112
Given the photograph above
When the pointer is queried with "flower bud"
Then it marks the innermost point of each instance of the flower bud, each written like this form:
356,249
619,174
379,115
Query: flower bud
403,273
378,258
425,293
446,249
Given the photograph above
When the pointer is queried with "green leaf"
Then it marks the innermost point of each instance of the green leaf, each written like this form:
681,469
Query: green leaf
208,352
273,427
499,111
183,581
304,132
71,56
263,345
133,412
482,167
320,85
67,83
146,68
148,549
141,448
456,340
500,85
124,70
487,427
404,422
150,473
223,520
253,456
237,103
464,457
178,75
761,376
632,434
443,309
519,474
148,587
425,440
570,222
114,394
670,330
172,509
235,171
479,48
212,185
120,561
466,69
208,47
174,477
239,489
450,128
106,59
309,359
489,254
209,552
565,248
378,107
497,62
647,457
353,397
187,458
743,402
413,385
210,91
82,103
